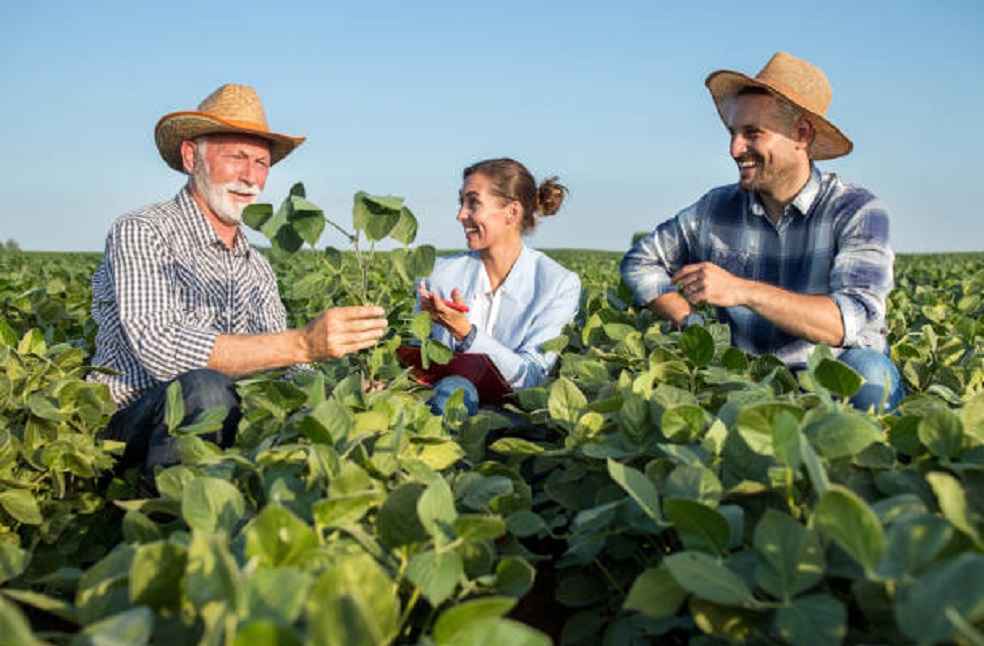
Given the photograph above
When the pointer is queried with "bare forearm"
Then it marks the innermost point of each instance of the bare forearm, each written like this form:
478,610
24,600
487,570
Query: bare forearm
236,355
814,317
671,307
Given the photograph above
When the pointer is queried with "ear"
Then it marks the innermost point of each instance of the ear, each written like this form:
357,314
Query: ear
514,211
188,156
805,133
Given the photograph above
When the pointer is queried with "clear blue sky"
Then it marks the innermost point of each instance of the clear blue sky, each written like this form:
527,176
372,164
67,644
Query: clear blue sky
398,97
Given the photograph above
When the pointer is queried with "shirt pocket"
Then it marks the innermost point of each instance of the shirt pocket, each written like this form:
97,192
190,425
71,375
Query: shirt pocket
733,261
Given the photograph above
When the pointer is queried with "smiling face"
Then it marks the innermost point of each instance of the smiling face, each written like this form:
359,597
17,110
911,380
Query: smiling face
769,147
489,220
229,172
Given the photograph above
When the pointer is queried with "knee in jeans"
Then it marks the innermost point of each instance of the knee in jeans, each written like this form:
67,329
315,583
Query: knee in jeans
203,389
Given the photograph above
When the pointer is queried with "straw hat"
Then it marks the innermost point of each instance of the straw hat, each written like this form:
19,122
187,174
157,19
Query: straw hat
234,109
802,84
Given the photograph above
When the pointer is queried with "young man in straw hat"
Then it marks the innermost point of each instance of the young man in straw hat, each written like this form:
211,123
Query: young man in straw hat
181,296
789,256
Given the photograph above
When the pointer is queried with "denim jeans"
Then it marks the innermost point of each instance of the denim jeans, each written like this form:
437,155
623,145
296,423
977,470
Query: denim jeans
141,424
877,370
447,387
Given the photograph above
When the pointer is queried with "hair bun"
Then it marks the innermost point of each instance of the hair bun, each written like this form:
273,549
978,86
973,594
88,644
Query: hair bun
549,196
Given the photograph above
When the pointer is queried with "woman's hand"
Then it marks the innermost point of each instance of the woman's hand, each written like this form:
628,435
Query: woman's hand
446,313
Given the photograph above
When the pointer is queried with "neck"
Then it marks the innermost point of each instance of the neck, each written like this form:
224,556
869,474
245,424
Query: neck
225,231
775,201
499,261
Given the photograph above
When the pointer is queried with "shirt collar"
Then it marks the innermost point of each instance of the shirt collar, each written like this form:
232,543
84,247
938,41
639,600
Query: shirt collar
804,200
202,231
517,284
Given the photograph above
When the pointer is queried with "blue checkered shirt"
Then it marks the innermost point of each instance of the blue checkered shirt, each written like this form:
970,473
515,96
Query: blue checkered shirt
831,239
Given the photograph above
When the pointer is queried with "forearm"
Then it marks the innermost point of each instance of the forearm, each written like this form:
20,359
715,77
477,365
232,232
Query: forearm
814,317
671,307
236,355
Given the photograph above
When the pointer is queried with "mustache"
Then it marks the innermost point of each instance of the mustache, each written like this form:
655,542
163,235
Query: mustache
241,187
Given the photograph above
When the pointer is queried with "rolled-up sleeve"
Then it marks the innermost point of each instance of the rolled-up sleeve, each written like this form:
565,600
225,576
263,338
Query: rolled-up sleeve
647,267
528,365
151,314
861,276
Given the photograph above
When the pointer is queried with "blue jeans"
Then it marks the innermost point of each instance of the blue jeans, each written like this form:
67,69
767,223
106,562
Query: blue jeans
877,370
447,387
141,424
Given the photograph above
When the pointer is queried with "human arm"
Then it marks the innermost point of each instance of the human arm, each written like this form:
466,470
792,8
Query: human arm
648,266
814,317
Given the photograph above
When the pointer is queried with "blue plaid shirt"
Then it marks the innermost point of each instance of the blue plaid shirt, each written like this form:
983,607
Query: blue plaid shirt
832,239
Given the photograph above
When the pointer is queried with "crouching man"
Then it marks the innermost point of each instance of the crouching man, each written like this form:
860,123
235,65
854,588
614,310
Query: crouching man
789,256
181,296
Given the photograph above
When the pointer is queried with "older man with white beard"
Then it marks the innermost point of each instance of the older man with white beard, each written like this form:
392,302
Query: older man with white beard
181,296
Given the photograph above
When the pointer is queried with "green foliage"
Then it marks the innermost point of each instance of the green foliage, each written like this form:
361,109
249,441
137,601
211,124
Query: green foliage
672,486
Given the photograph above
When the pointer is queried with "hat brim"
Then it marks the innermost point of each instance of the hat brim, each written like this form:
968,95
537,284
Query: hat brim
829,142
176,127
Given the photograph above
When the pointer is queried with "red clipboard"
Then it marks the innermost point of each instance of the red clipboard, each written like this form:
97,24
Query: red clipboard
476,368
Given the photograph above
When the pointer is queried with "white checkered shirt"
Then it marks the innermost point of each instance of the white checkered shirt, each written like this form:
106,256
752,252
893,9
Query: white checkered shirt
166,288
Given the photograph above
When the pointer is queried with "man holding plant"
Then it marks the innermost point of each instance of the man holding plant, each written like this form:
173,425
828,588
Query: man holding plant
790,257
181,296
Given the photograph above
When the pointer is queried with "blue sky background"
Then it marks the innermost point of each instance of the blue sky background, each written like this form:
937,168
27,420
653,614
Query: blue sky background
397,97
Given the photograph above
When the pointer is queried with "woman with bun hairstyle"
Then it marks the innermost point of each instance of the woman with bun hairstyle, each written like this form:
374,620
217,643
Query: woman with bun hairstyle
516,297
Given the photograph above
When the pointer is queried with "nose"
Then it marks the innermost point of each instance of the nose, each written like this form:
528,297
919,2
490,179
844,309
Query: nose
739,146
253,174
461,217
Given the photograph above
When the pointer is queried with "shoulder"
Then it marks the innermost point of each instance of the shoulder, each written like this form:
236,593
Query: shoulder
150,220
720,201
549,271
847,203
455,266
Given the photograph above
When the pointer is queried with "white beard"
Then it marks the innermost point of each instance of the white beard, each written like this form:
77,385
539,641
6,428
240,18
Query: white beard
217,196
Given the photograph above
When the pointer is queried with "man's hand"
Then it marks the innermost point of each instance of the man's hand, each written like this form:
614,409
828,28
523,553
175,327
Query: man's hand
705,282
340,330
442,312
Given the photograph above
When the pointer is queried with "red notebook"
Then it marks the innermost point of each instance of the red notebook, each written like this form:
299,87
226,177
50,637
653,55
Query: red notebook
476,368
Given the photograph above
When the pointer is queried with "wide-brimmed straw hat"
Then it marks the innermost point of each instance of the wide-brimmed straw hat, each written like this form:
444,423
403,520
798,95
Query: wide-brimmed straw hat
231,109
798,82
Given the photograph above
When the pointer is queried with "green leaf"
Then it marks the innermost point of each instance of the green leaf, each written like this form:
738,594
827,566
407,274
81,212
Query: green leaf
953,503
211,573
276,537
685,423
297,189
13,561
972,416
20,504
786,440
700,527
479,527
102,590
265,632
837,377
792,559
514,576
44,407
155,575
555,345
914,545
438,352
174,409
278,593
457,618
696,482
638,486
496,632
421,325
698,344
436,574
421,261
397,521
339,511
566,402
755,424
14,627
306,219
436,510
353,602
815,469
211,504
956,584
516,446
405,230
525,523
843,516
256,215
941,432
842,434
705,577
656,594
131,628
816,620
